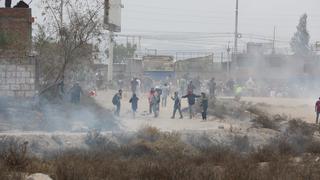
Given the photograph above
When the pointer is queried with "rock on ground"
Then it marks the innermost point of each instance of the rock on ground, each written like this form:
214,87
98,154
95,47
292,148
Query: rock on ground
38,176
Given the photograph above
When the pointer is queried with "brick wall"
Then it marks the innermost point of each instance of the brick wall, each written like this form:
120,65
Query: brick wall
15,29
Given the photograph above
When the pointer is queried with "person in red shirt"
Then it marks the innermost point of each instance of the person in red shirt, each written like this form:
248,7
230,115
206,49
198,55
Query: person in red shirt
317,109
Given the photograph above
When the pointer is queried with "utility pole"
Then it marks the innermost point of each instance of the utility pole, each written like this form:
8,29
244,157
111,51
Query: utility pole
274,41
222,56
110,64
228,62
236,34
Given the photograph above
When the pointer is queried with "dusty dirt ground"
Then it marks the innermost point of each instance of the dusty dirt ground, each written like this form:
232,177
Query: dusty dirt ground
163,122
219,130
294,108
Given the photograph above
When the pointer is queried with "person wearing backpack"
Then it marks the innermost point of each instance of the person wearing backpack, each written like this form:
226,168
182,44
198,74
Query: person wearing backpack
134,104
191,101
116,100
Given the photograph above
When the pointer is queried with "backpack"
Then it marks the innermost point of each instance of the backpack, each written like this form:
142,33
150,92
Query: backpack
115,100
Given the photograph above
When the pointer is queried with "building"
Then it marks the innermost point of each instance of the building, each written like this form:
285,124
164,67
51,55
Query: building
158,67
18,77
202,67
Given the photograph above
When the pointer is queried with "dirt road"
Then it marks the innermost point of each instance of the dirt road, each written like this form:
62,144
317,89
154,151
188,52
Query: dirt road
295,108
163,122
302,108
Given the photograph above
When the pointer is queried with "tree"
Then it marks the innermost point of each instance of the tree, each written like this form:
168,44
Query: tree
300,41
65,36
122,52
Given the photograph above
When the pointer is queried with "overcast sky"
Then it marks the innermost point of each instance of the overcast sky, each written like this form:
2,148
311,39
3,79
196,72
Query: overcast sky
162,19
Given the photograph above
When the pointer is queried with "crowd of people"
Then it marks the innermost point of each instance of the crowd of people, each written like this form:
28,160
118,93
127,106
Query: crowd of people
190,89
158,97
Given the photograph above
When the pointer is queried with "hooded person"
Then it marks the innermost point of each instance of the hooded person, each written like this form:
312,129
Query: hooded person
134,104
191,102
76,92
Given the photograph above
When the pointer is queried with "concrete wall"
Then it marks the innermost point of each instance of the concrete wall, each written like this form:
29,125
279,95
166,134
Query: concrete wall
17,78
131,68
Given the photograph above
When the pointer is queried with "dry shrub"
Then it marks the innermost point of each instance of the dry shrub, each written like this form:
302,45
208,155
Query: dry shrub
241,143
148,133
256,111
218,109
262,119
97,142
264,122
265,153
150,141
152,154
297,126
299,136
313,147
14,155
137,149
240,168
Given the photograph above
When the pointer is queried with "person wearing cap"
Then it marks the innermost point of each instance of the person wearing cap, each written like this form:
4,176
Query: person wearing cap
317,109
177,105
191,101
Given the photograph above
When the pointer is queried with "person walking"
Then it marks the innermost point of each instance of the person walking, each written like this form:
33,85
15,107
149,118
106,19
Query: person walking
117,102
191,102
317,109
212,87
177,105
134,85
76,92
156,104
134,104
165,94
191,87
204,106
150,97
